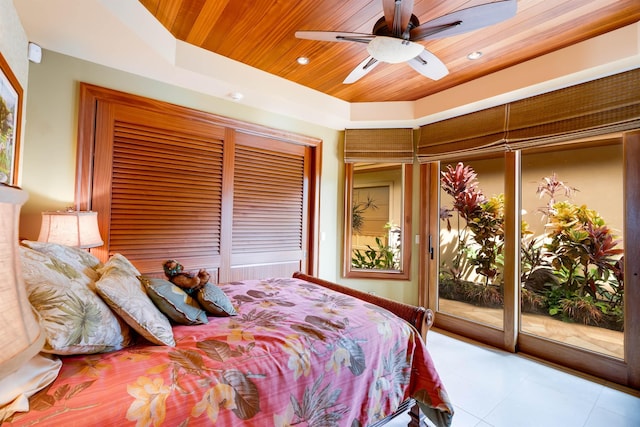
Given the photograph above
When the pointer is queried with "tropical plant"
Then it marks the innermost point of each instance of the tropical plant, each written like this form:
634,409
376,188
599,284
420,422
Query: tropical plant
459,254
484,220
584,255
382,257
6,118
581,243
573,271
551,187
357,213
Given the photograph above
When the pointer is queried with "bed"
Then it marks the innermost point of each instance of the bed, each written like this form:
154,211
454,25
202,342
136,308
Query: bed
281,351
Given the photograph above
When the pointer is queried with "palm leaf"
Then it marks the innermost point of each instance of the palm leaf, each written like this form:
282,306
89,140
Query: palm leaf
264,318
217,350
357,359
247,397
319,406
191,361
398,367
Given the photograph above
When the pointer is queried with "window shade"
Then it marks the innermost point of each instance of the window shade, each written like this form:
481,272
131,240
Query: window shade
378,145
606,105
482,131
599,107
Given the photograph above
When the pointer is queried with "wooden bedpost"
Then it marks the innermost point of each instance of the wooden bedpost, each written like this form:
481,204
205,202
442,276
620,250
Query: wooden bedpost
414,414
428,323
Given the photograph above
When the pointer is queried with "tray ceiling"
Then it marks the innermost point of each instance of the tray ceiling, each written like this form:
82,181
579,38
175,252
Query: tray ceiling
260,33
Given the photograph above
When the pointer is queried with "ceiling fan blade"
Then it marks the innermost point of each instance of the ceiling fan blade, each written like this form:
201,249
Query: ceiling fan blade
462,21
429,65
363,68
335,36
397,14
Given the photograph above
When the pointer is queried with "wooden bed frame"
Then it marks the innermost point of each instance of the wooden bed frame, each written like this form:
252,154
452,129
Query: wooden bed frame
419,317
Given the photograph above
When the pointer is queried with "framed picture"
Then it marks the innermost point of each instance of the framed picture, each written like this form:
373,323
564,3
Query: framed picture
10,121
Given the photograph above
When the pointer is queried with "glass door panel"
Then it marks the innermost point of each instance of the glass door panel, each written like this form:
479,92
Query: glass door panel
470,280
572,246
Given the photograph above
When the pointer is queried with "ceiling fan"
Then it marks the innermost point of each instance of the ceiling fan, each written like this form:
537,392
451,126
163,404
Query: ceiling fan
394,36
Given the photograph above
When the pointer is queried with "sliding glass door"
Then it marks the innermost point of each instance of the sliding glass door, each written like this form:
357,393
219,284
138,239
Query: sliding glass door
470,273
531,248
573,246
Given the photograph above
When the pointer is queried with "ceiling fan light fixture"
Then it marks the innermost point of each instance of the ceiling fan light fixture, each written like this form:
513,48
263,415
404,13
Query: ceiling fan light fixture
393,50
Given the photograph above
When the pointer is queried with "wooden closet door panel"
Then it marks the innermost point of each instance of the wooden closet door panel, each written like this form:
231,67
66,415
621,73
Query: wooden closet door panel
270,207
161,177
159,181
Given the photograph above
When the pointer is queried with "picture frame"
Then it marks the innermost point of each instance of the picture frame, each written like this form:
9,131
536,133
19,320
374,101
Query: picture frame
10,123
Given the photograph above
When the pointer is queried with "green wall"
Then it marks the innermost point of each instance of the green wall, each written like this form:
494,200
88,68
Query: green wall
50,138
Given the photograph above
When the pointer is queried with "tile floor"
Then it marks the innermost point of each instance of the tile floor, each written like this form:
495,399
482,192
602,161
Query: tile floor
492,388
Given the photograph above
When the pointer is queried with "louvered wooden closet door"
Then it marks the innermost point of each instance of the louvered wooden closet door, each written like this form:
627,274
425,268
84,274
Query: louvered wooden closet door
269,207
160,180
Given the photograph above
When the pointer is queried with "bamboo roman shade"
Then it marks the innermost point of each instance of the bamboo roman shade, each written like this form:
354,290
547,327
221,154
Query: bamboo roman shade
378,145
607,105
602,106
479,132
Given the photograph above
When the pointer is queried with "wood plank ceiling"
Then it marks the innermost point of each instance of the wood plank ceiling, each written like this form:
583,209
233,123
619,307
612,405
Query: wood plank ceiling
260,33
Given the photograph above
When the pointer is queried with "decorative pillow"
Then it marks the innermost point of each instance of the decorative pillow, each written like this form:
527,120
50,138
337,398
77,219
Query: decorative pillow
215,301
75,319
78,258
120,262
120,288
174,302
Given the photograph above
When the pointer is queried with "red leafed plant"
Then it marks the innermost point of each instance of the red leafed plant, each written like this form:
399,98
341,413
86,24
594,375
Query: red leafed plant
575,270
484,218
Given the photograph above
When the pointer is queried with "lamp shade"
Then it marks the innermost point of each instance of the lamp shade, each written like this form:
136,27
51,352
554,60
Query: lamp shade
71,228
21,336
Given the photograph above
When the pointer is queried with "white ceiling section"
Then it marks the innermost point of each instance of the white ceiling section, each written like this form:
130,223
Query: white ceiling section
123,35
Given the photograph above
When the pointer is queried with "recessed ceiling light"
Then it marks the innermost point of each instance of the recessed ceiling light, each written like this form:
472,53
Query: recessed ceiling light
236,96
474,55
303,60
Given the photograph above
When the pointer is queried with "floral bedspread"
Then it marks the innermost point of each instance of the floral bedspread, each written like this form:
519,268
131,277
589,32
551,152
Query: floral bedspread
296,354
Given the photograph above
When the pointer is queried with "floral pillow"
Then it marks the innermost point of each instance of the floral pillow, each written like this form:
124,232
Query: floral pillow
174,302
78,258
120,288
75,319
215,301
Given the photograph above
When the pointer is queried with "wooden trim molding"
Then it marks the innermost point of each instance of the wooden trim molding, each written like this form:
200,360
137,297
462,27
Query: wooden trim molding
631,141
404,272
